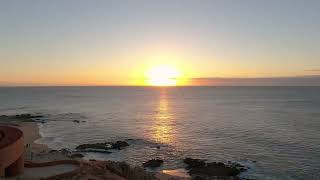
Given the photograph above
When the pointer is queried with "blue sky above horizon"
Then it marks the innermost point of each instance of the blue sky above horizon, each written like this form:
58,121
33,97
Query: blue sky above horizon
112,42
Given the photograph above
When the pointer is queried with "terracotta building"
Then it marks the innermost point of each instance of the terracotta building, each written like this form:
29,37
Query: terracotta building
11,151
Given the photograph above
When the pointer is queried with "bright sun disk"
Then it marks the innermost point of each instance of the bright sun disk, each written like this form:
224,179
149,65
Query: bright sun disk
163,75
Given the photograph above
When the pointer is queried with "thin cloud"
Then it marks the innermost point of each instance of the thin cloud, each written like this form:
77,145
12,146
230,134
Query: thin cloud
313,80
313,70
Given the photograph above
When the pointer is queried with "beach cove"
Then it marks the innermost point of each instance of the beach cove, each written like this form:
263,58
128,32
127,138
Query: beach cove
37,154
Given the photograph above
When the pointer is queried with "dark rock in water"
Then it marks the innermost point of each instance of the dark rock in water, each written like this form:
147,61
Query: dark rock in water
27,116
199,178
153,163
65,151
201,169
53,151
104,146
96,151
158,147
77,155
192,163
76,121
119,145
23,115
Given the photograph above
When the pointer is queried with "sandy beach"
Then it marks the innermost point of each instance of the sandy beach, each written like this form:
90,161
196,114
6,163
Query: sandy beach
31,134
92,169
30,131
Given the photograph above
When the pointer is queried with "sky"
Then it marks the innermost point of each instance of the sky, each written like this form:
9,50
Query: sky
105,42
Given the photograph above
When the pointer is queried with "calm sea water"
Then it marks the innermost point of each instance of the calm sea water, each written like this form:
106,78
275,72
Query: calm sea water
273,130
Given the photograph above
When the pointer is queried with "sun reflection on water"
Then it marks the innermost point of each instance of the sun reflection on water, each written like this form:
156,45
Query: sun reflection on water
163,128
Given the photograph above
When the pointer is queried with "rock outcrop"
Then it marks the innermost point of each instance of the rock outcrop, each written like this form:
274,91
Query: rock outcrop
153,163
103,146
200,169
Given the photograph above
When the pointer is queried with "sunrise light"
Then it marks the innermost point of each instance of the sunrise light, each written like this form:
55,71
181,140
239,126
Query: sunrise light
163,75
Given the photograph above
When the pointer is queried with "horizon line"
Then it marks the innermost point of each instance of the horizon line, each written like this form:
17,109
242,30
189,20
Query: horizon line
148,86
306,80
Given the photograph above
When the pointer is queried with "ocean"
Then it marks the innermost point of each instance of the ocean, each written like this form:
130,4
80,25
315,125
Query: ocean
272,130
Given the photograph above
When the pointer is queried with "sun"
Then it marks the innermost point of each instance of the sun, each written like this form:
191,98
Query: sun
163,75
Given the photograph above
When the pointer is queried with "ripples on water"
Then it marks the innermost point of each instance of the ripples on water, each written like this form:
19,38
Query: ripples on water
274,130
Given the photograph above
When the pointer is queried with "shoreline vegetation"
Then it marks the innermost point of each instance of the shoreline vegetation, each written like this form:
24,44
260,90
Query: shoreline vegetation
197,169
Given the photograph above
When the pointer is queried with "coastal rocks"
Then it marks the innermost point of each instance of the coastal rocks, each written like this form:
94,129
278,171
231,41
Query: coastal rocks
127,172
53,151
200,169
65,151
95,151
153,163
77,155
22,117
193,163
119,145
42,121
27,116
104,146
77,121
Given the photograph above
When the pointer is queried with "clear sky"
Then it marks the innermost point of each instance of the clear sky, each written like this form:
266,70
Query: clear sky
77,42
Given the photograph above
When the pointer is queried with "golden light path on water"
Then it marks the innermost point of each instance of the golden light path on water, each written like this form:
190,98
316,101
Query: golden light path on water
163,128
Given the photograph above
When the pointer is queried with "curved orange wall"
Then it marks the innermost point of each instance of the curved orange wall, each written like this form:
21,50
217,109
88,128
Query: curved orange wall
11,151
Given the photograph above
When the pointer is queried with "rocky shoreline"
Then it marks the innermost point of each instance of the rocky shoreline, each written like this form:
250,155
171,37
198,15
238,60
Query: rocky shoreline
197,168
